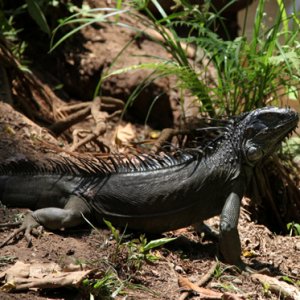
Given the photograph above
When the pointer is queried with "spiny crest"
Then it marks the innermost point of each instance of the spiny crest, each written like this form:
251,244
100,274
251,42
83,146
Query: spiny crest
88,166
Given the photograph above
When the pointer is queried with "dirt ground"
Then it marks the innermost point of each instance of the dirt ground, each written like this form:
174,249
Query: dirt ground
186,257
180,263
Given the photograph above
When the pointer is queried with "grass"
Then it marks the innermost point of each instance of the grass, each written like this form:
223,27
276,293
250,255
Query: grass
137,251
293,228
249,73
126,257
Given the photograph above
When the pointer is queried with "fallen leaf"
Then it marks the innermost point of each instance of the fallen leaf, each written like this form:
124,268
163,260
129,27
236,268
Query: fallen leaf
23,276
124,134
187,285
249,253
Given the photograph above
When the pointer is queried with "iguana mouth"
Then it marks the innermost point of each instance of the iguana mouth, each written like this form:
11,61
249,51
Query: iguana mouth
286,130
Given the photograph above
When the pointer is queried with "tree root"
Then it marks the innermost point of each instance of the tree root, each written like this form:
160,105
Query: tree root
102,109
83,110
100,117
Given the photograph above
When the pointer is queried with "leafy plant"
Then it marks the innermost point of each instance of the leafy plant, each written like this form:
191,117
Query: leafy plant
107,287
37,10
248,73
218,271
110,286
221,269
293,228
139,250
291,146
266,289
288,279
117,237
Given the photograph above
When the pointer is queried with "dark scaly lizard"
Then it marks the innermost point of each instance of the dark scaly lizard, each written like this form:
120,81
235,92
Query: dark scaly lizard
152,193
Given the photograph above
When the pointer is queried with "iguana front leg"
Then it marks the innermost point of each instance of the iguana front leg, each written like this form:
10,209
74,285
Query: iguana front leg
53,218
229,240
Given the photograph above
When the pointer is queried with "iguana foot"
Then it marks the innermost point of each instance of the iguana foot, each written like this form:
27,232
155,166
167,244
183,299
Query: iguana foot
202,228
28,225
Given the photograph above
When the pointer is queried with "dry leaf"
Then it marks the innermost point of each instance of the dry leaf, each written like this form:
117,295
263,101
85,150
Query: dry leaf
124,134
203,292
249,253
22,276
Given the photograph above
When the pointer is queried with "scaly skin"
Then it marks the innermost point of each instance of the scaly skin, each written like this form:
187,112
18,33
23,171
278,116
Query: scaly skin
156,196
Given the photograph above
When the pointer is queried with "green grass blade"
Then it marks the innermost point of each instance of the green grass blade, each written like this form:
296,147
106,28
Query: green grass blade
86,22
157,243
257,24
285,19
37,15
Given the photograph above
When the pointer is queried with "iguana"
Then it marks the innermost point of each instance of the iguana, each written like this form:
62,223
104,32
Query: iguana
151,193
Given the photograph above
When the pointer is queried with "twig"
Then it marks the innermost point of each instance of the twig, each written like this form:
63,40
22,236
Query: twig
166,135
203,280
204,293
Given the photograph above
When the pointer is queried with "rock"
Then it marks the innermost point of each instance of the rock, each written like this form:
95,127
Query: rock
179,269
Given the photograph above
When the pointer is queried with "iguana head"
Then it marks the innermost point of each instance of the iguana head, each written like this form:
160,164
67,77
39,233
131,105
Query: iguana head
261,131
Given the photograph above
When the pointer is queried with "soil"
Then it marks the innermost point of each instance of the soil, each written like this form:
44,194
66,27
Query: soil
77,66
187,257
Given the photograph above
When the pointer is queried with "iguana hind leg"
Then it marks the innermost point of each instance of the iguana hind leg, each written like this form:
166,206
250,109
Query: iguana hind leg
53,218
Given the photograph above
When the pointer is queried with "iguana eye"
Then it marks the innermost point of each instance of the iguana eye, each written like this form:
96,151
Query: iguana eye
254,153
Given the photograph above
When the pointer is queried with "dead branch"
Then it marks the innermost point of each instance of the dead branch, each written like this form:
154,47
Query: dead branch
278,287
202,281
15,224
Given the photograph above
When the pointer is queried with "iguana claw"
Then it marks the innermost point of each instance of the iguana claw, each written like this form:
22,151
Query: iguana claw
27,226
